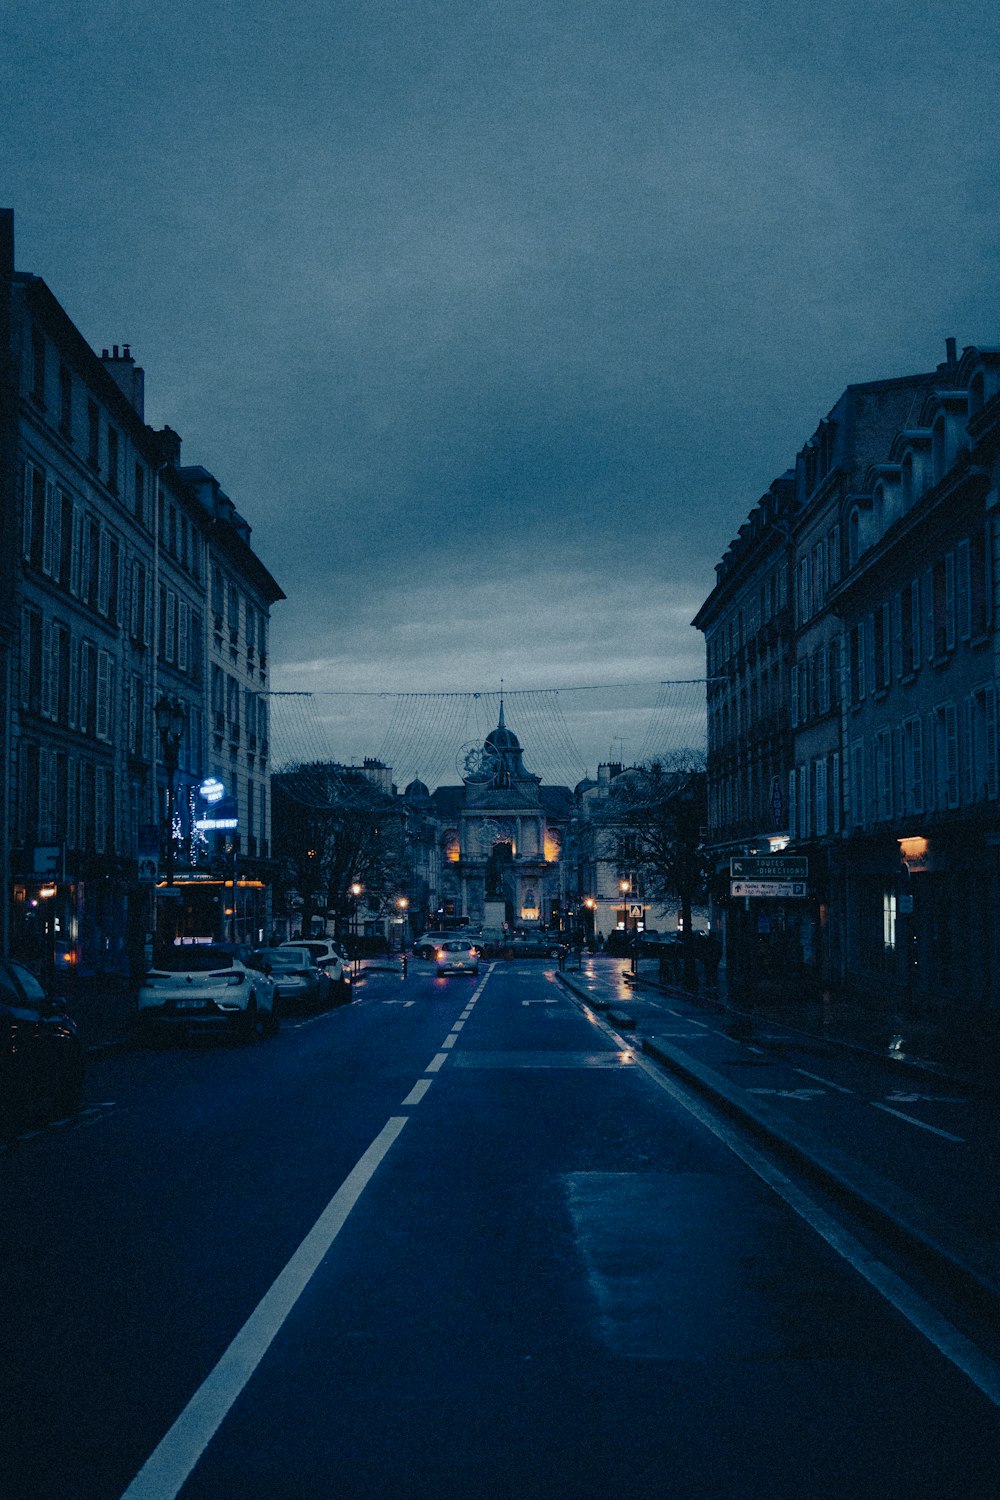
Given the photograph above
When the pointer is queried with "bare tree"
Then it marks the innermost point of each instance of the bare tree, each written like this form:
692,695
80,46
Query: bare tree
659,813
333,827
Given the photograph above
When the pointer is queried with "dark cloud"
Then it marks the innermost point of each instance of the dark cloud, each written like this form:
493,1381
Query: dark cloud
496,319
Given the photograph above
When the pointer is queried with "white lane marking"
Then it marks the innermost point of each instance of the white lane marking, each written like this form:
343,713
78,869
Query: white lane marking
807,1094
898,1097
546,1001
983,1372
164,1473
458,1025
449,1040
817,1079
417,1092
437,1063
911,1120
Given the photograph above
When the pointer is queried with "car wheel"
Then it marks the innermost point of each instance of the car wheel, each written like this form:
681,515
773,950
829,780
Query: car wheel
554,952
251,1023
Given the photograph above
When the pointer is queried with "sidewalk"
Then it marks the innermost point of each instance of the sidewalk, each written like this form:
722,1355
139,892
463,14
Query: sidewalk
762,1069
964,1048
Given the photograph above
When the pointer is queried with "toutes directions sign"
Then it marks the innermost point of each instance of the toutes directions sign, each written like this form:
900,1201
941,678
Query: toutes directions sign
769,867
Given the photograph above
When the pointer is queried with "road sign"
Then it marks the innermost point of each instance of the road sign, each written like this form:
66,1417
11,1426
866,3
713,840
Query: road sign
793,888
769,867
636,909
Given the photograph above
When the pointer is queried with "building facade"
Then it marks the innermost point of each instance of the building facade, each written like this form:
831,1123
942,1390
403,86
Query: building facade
108,570
889,789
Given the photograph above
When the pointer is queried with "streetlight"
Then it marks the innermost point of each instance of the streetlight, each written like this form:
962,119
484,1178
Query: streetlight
625,886
170,716
402,903
591,906
356,890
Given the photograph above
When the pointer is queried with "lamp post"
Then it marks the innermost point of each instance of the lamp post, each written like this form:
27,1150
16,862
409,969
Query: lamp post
624,887
170,718
591,907
402,904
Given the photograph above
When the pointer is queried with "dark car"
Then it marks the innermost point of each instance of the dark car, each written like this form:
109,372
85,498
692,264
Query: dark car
41,1057
301,980
533,945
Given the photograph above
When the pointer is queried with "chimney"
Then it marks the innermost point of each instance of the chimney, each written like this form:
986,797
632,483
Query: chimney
169,445
127,376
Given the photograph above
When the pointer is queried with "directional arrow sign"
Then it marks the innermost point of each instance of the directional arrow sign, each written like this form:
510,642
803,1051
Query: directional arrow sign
769,867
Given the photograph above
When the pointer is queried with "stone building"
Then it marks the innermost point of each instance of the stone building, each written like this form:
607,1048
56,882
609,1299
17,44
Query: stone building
499,841
106,558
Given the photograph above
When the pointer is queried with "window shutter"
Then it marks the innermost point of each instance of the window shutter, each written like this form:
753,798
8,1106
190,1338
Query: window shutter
74,682
100,808
968,734
990,713
26,515
104,574
949,601
835,791
183,627
897,635
103,715
951,753
929,611
72,773
794,685
48,634
821,795
963,587
792,802
915,624
170,637
869,640
76,552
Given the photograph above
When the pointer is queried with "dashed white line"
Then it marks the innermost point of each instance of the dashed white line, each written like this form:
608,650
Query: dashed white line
449,1040
458,1025
817,1079
417,1092
164,1473
912,1120
437,1063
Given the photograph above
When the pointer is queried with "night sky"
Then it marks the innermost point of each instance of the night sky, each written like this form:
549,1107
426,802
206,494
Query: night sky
495,319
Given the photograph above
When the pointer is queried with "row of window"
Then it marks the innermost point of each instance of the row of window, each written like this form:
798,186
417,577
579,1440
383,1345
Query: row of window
937,762
923,621
226,709
228,605
66,799
69,545
756,611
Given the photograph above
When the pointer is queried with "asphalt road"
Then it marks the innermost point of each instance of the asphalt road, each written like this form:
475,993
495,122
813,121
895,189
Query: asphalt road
451,1241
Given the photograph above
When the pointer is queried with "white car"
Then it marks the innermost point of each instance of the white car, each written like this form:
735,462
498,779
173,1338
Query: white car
457,956
208,987
330,956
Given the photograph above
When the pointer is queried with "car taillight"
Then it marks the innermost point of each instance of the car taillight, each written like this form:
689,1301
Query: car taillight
440,953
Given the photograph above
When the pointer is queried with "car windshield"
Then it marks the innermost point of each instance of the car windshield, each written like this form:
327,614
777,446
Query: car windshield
455,947
194,960
286,958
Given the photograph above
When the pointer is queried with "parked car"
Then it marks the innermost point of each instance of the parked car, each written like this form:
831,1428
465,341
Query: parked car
331,956
457,956
533,945
208,987
301,981
41,1056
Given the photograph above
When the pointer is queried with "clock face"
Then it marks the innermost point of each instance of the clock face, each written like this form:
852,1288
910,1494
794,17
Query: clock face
477,763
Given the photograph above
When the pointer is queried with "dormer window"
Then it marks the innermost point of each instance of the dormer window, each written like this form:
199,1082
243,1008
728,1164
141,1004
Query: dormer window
938,450
853,537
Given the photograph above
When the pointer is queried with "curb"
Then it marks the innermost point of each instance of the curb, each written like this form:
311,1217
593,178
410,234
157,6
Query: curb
875,1198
